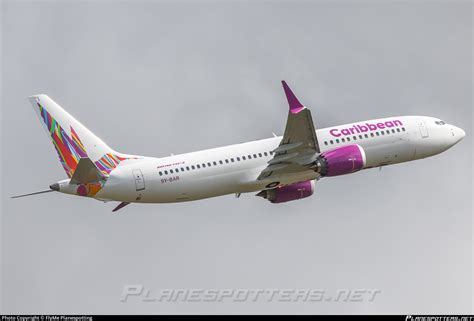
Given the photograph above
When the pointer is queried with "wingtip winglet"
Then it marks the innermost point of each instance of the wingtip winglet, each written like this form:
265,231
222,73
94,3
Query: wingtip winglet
293,102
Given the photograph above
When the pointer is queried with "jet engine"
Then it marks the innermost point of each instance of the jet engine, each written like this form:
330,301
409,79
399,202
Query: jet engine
341,161
288,193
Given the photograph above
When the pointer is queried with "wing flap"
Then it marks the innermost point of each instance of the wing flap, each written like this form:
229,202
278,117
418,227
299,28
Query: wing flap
286,147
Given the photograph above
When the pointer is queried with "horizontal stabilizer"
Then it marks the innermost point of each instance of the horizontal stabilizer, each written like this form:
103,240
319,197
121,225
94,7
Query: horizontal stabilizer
121,205
86,172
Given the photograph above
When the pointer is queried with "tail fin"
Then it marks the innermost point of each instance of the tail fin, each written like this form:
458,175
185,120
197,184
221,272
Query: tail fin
73,140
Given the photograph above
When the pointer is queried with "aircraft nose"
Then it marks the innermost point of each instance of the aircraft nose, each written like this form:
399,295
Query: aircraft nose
458,133
462,133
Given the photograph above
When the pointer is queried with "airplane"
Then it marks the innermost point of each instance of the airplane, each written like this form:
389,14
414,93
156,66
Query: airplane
280,168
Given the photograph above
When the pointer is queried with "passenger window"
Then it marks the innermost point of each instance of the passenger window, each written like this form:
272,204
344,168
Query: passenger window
182,169
393,131
209,164
403,128
337,141
177,171
187,168
259,154
377,133
354,137
331,142
166,172
192,166
265,153
161,173
360,136
198,166
398,129
372,134
238,159
221,162
171,171
232,160
343,140
227,161
382,133
203,165
215,163
325,143
254,155
348,139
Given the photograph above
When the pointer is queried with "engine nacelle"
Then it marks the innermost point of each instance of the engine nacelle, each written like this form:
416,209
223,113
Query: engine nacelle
288,193
340,161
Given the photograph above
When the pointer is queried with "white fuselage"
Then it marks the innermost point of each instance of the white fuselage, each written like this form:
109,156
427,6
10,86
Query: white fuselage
235,168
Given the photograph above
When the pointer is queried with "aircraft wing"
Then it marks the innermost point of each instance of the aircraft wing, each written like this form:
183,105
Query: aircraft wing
299,146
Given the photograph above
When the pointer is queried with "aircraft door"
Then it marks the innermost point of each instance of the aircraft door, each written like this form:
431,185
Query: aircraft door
423,128
139,180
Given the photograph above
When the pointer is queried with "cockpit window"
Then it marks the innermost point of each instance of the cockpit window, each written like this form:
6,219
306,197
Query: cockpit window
439,122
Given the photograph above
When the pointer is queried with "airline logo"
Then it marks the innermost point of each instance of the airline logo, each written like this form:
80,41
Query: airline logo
363,128
71,149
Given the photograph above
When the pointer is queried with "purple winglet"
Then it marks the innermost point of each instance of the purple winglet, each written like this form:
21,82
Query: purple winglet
295,105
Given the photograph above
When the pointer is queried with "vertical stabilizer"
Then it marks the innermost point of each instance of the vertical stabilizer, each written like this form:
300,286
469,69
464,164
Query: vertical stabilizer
72,140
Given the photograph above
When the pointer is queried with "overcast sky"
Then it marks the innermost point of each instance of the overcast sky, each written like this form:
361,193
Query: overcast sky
157,78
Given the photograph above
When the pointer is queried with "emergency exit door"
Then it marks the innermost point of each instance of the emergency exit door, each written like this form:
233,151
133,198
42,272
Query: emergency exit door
139,180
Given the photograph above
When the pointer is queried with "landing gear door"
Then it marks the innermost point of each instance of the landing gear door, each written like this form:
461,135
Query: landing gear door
139,180
423,128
